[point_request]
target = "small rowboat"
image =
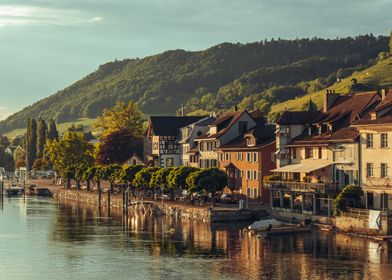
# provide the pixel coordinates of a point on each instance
(274, 227)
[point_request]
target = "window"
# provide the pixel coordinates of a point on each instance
(227, 156)
(254, 174)
(369, 140)
(350, 152)
(248, 157)
(384, 140)
(369, 169)
(320, 153)
(384, 170)
(239, 156)
(293, 153)
(169, 162)
(308, 152)
(248, 175)
(255, 157)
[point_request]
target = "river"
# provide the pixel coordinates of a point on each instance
(43, 239)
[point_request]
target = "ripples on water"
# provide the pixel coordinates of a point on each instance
(43, 239)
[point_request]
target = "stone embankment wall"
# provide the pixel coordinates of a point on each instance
(357, 221)
(203, 214)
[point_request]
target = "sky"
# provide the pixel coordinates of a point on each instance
(46, 45)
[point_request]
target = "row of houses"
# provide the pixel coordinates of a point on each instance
(298, 164)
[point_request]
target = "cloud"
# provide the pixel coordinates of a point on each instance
(31, 15)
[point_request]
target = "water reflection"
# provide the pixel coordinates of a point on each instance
(72, 240)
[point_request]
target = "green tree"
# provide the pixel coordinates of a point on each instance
(52, 133)
(112, 173)
(143, 177)
(177, 177)
(69, 152)
(31, 143)
(41, 137)
(210, 180)
(350, 195)
(120, 117)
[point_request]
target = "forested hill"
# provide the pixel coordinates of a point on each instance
(252, 75)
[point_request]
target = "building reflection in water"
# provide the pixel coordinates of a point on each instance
(317, 255)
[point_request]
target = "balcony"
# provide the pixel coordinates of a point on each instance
(300, 187)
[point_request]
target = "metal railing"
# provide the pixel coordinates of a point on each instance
(300, 186)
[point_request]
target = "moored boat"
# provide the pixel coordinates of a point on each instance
(13, 191)
(274, 227)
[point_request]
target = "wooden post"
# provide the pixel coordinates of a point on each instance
(109, 203)
(99, 196)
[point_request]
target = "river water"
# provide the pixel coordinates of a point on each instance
(43, 239)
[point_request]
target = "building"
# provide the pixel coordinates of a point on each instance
(188, 135)
(247, 159)
(318, 153)
(161, 147)
(376, 155)
(226, 128)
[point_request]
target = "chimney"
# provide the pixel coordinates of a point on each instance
(329, 98)
(383, 94)
(235, 108)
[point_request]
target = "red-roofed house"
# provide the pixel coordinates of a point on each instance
(317, 153)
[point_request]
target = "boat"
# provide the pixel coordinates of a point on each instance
(13, 191)
(269, 227)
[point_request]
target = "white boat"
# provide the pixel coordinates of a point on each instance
(274, 227)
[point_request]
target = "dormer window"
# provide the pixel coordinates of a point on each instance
(329, 128)
(373, 115)
(250, 141)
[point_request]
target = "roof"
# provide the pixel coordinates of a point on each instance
(302, 167)
(351, 107)
(223, 123)
(347, 134)
(299, 117)
(264, 135)
(170, 125)
(386, 119)
(386, 102)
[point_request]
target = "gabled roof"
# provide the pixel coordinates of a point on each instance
(299, 117)
(223, 124)
(170, 125)
(347, 134)
(264, 135)
(386, 102)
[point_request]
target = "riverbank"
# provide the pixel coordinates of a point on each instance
(207, 214)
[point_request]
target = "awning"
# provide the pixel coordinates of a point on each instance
(301, 167)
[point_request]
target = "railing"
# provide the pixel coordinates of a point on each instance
(300, 186)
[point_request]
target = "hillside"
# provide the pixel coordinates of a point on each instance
(374, 77)
(209, 80)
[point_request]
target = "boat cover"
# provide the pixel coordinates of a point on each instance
(263, 224)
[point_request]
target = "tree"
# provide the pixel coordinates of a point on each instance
(159, 178)
(40, 164)
(111, 173)
(31, 143)
(70, 151)
(349, 195)
(129, 172)
(143, 177)
(210, 180)
(118, 146)
(20, 163)
(52, 133)
(41, 137)
(177, 177)
(120, 117)
(4, 141)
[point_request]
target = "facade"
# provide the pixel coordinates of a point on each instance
(223, 130)
(188, 135)
(247, 159)
(318, 153)
(161, 143)
(376, 155)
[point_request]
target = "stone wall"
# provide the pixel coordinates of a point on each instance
(203, 214)
(357, 221)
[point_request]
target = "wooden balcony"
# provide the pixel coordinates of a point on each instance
(324, 188)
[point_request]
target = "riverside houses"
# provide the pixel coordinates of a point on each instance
(376, 155)
(226, 128)
(187, 141)
(161, 147)
(317, 153)
(247, 159)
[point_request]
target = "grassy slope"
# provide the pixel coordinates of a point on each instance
(379, 74)
(87, 123)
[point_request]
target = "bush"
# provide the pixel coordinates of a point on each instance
(349, 195)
